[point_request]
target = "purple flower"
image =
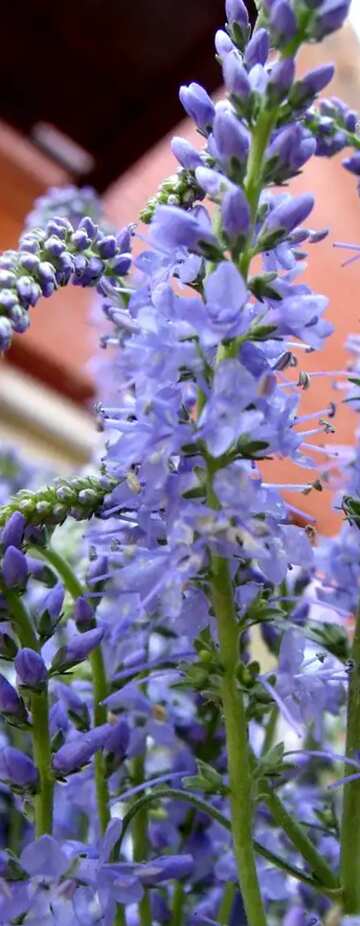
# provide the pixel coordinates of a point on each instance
(236, 12)
(328, 16)
(280, 79)
(83, 614)
(283, 23)
(10, 704)
(49, 610)
(198, 105)
(30, 669)
(117, 741)
(353, 164)
(13, 532)
(173, 228)
(78, 649)
(231, 138)
(17, 769)
(235, 214)
(170, 867)
(306, 89)
(44, 857)
(77, 752)
(223, 43)
(290, 213)
(257, 50)
(185, 153)
(14, 568)
(235, 76)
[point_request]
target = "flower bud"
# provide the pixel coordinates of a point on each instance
(258, 49)
(353, 164)
(185, 153)
(235, 214)
(235, 76)
(30, 669)
(14, 568)
(305, 90)
(76, 709)
(283, 23)
(77, 650)
(13, 532)
(198, 105)
(10, 704)
(329, 17)
(290, 213)
(236, 12)
(118, 739)
(223, 43)
(231, 138)
(77, 752)
(49, 612)
(17, 769)
(280, 80)
(83, 614)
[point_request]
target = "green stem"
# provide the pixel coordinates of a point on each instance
(350, 826)
(298, 836)
(100, 688)
(42, 757)
(40, 720)
(140, 841)
(20, 619)
(179, 897)
(120, 916)
(227, 904)
(205, 807)
(254, 177)
(270, 730)
(240, 782)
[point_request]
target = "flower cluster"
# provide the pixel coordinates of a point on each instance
(155, 768)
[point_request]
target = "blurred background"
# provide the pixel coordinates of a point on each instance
(90, 96)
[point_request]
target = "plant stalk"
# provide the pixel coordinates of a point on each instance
(350, 825)
(140, 842)
(100, 688)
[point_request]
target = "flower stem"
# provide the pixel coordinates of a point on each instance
(241, 799)
(40, 719)
(100, 688)
(254, 177)
(42, 757)
(350, 826)
(227, 904)
(298, 836)
(179, 896)
(140, 842)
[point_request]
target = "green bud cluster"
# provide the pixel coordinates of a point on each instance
(181, 189)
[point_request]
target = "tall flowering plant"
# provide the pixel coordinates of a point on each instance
(154, 769)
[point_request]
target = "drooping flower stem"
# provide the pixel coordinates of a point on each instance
(298, 836)
(350, 826)
(39, 703)
(100, 688)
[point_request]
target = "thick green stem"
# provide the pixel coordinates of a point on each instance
(140, 842)
(350, 827)
(100, 688)
(253, 183)
(241, 798)
(42, 757)
(296, 833)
